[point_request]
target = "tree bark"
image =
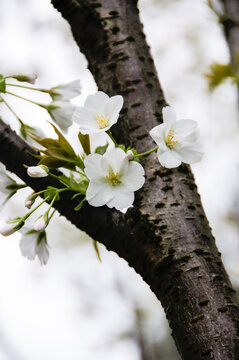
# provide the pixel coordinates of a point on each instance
(165, 236)
(231, 27)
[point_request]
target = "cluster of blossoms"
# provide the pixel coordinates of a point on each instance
(108, 176)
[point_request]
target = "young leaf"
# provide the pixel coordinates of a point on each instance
(85, 142)
(79, 206)
(101, 149)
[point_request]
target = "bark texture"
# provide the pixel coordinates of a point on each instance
(231, 26)
(165, 237)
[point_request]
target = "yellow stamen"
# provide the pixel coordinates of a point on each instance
(102, 121)
(170, 140)
(112, 178)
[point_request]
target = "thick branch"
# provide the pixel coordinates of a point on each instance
(231, 27)
(165, 236)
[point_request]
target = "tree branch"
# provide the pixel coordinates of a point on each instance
(231, 27)
(165, 237)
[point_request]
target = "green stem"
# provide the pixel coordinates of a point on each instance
(31, 101)
(29, 87)
(11, 109)
(53, 212)
(111, 136)
(147, 152)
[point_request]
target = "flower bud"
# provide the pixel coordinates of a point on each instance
(11, 227)
(37, 171)
(40, 224)
(31, 78)
(130, 155)
(30, 200)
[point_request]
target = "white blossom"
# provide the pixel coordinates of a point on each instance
(99, 113)
(66, 91)
(113, 179)
(33, 243)
(37, 171)
(61, 112)
(177, 140)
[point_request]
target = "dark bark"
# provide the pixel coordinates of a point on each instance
(165, 237)
(231, 26)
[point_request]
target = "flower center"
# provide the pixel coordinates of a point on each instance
(171, 140)
(113, 179)
(102, 121)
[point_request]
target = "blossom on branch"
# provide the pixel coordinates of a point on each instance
(61, 112)
(177, 140)
(66, 91)
(37, 171)
(113, 179)
(33, 243)
(99, 113)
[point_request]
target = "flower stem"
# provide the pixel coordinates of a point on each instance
(147, 152)
(111, 136)
(11, 109)
(23, 98)
(29, 87)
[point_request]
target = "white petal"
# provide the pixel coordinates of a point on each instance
(96, 101)
(28, 245)
(122, 199)
(133, 179)
(99, 194)
(93, 165)
(117, 159)
(158, 134)
(168, 159)
(169, 115)
(66, 91)
(190, 154)
(112, 108)
(185, 127)
(42, 252)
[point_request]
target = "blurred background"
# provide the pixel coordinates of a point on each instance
(76, 307)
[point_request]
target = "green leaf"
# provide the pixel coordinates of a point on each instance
(63, 143)
(219, 73)
(85, 142)
(79, 206)
(53, 163)
(101, 149)
(2, 84)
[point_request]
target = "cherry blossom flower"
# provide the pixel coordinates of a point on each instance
(61, 112)
(33, 243)
(113, 179)
(177, 140)
(37, 171)
(66, 91)
(99, 113)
